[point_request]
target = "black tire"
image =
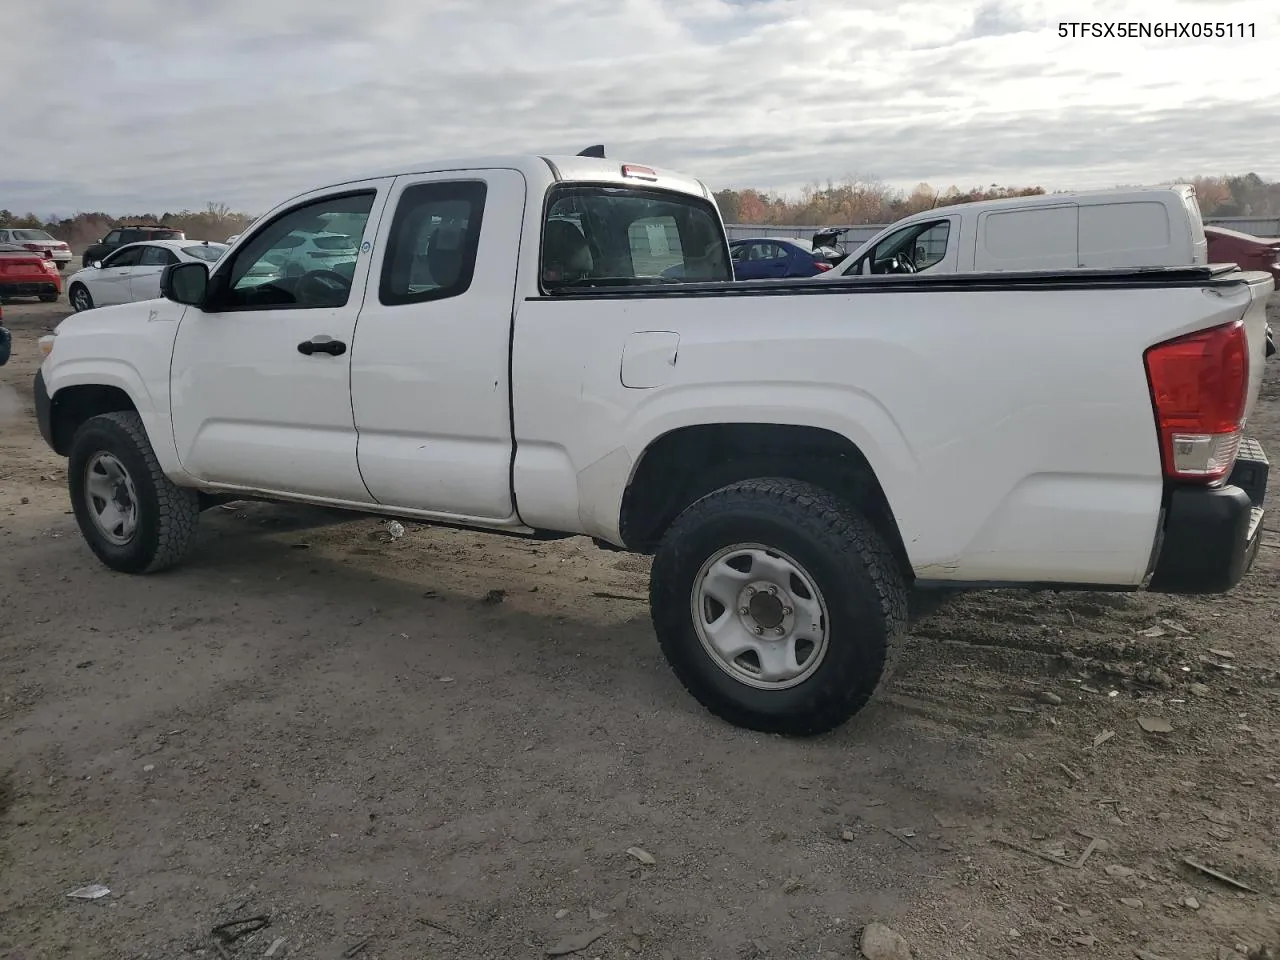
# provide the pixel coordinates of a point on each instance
(48, 298)
(851, 565)
(80, 297)
(166, 514)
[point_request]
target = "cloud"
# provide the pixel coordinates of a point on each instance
(163, 104)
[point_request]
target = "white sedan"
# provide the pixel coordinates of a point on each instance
(133, 272)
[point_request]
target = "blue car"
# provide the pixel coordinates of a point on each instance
(762, 258)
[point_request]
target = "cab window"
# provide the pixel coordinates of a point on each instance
(283, 267)
(156, 257)
(912, 249)
(126, 257)
(602, 236)
(434, 239)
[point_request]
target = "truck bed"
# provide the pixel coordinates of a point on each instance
(1012, 428)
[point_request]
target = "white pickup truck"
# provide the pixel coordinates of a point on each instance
(502, 351)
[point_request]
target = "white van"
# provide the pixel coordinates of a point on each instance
(1129, 227)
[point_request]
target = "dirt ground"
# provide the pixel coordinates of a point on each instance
(442, 746)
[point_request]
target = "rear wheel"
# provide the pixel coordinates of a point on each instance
(48, 297)
(134, 518)
(775, 602)
(80, 297)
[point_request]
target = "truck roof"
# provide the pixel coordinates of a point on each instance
(537, 167)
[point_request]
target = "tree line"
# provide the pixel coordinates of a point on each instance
(216, 222)
(856, 201)
(852, 201)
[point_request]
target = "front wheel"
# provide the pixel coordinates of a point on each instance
(134, 518)
(80, 298)
(775, 603)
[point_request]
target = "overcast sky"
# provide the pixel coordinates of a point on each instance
(148, 105)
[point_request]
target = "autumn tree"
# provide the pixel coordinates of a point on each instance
(858, 200)
(852, 201)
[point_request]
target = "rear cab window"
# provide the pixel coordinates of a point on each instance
(598, 235)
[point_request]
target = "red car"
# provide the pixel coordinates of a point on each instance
(1246, 250)
(27, 274)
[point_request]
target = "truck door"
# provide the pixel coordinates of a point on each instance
(430, 382)
(144, 279)
(261, 377)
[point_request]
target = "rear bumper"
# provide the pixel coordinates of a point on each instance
(28, 288)
(44, 409)
(1211, 535)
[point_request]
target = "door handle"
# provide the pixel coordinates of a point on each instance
(322, 343)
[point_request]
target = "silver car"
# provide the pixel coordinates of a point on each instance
(33, 238)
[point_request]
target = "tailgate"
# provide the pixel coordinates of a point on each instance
(1255, 324)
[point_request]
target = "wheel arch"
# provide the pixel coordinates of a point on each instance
(79, 390)
(72, 406)
(686, 463)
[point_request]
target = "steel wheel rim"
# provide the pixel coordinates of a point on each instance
(80, 299)
(112, 498)
(760, 616)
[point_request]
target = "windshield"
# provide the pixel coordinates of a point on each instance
(31, 235)
(616, 236)
(203, 251)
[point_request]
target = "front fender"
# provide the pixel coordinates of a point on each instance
(126, 348)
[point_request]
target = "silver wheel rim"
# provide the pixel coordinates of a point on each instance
(760, 616)
(80, 299)
(111, 497)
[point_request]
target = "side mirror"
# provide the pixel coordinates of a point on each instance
(97, 264)
(185, 283)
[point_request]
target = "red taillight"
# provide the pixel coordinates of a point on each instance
(1198, 386)
(822, 265)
